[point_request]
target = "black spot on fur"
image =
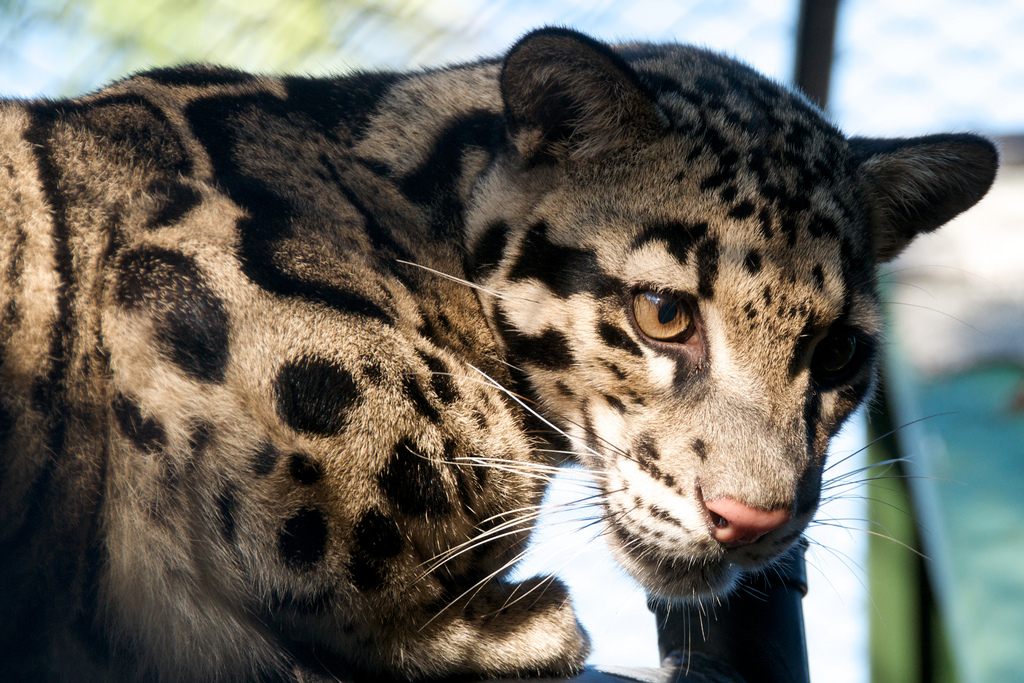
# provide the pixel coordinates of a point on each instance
(819, 277)
(377, 535)
(551, 350)
(646, 450)
(176, 199)
(333, 103)
(305, 470)
(227, 503)
(749, 309)
(615, 403)
(707, 268)
(264, 459)
(303, 539)
(752, 262)
(313, 395)
(616, 370)
(789, 228)
(615, 336)
(700, 448)
(764, 221)
(440, 379)
(191, 321)
(678, 238)
(564, 270)
(812, 419)
(367, 574)
(820, 226)
(802, 347)
(419, 400)
(413, 483)
(435, 182)
(744, 209)
(145, 433)
(489, 248)
(225, 125)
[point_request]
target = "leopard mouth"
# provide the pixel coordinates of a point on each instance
(703, 571)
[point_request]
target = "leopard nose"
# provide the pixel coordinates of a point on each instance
(734, 523)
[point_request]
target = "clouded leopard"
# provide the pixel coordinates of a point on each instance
(285, 363)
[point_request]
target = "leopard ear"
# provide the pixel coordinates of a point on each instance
(915, 185)
(568, 96)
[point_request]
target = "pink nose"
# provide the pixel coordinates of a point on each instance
(734, 523)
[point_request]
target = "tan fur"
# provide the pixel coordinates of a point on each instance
(286, 363)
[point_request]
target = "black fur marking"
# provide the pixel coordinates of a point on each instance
(616, 370)
(820, 226)
(563, 270)
(707, 268)
(646, 451)
(367, 573)
(435, 183)
(304, 470)
(337, 104)
(679, 239)
(615, 403)
(413, 483)
(701, 449)
(789, 227)
(752, 262)
(221, 124)
(764, 221)
(440, 379)
(176, 200)
(615, 336)
(303, 539)
(314, 394)
(550, 350)
(489, 249)
(146, 433)
(227, 504)
(419, 400)
(378, 535)
(819, 277)
(801, 348)
(265, 459)
(46, 395)
(198, 75)
(812, 418)
(749, 309)
(744, 209)
(191, 321)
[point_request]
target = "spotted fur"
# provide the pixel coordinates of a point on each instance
(284, 360)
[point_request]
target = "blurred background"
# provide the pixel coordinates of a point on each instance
(897, 68)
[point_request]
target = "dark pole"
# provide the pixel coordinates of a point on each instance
(755, 635)
(815, 35)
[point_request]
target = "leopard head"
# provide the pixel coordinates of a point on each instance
(679, 257)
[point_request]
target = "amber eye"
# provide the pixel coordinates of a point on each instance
(663, 317)
(835, 356)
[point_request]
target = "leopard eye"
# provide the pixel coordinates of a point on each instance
(836, 356)
(663, 317)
